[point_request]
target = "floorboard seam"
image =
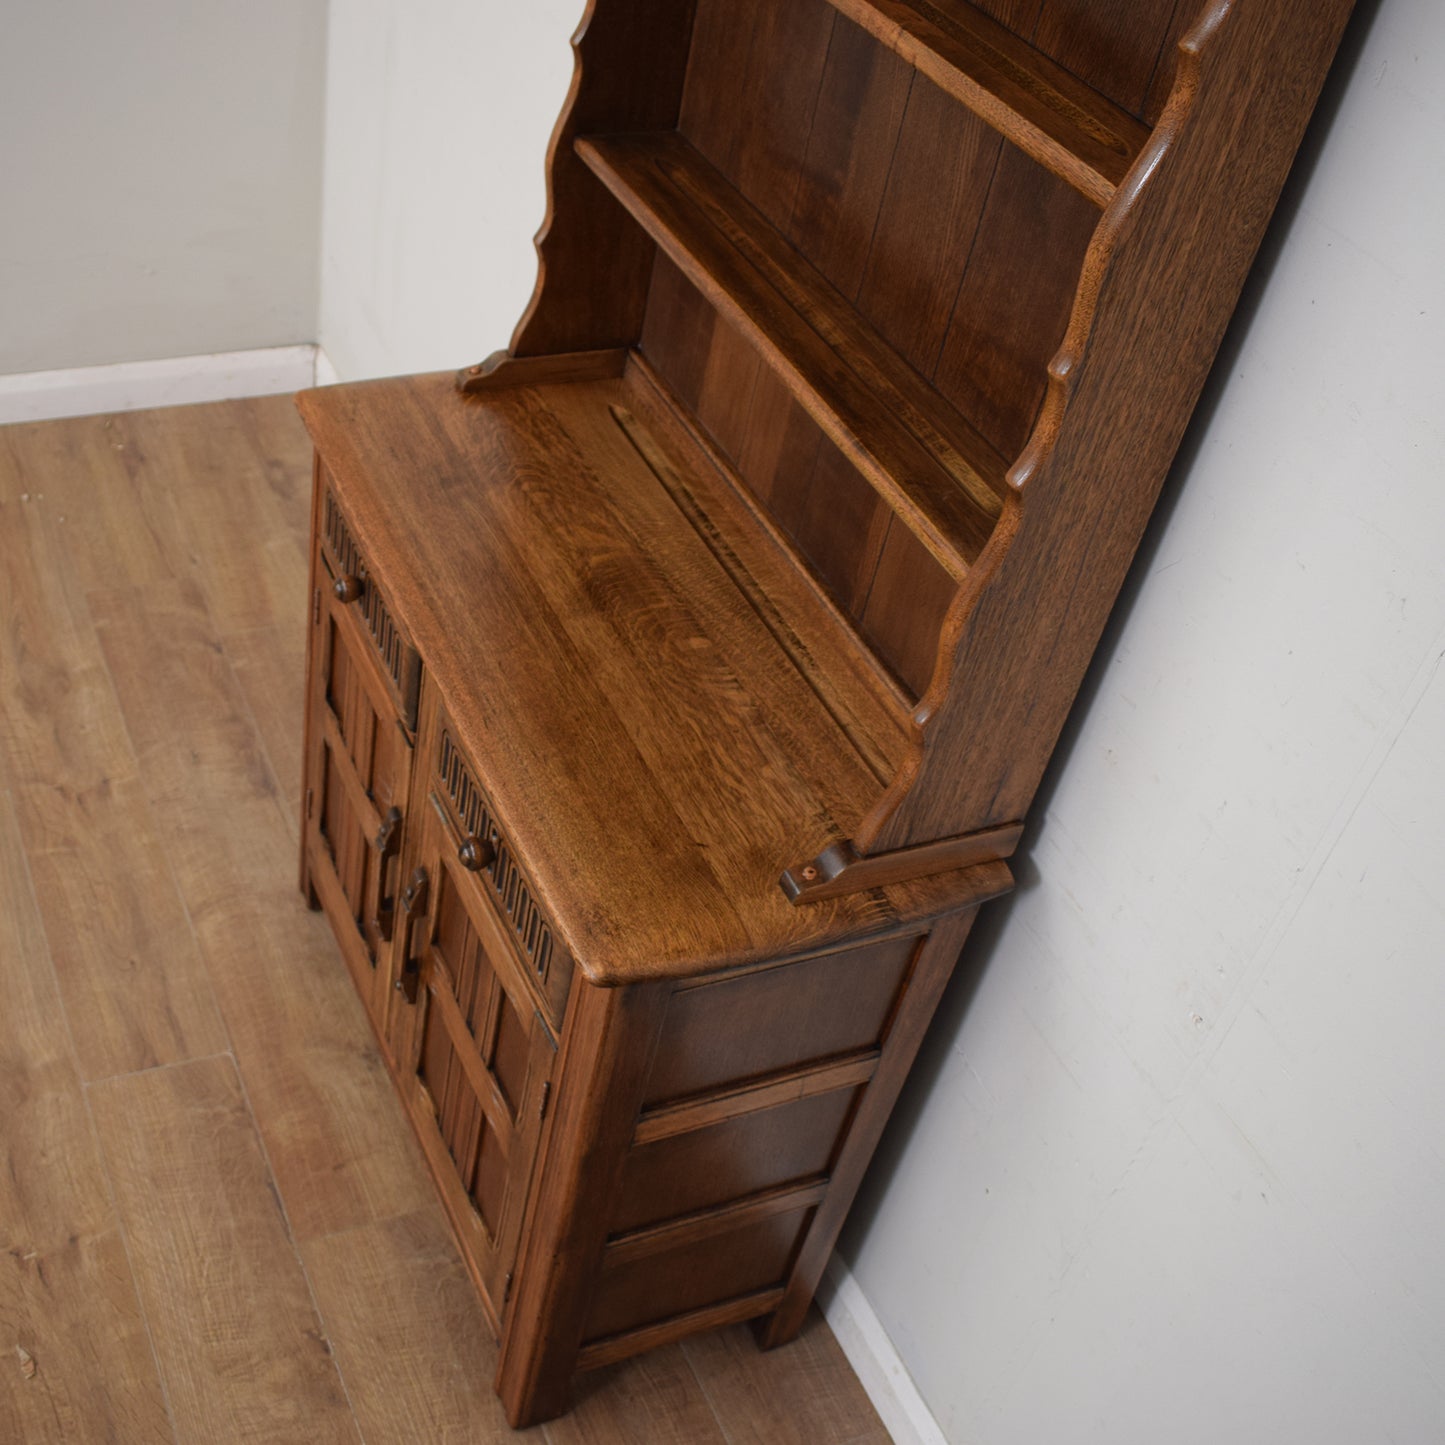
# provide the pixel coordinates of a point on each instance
(102, 1161)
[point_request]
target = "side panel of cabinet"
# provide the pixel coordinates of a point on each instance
(709, 1139)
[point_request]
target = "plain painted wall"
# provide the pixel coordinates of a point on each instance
(1171, 1168)
(437, 119)
(160, 170)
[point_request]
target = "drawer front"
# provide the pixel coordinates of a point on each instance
(501, 879)
(356, 587)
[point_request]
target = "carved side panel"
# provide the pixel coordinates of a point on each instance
(1158, 288)
(594, 263)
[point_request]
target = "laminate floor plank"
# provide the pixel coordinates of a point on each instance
(333, 1127)
(198, 1244)
(746, 1387)
(80, 476)
(230, 485)
(240, 1346)
(655, 1397)
(269, 665)
(75, 1356)
(410, 1338)
(131, 980)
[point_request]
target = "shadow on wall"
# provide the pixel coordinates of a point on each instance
(953, 1011)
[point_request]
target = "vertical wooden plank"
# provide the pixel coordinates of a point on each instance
(728, 385)
(1015, 299)
(757, 145)
(677, 334)
(780, 451)
(240, 1347)
(840, 528)
(927, 221)
(410, 1338)
(67, 1296)
(906, 605)
(1185, 14)
(851, 144)
(1113, 45)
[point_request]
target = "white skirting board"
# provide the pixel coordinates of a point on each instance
(175, 381)
(326, 374)
(880, 1371)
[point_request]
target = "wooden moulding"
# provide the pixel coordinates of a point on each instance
(1049, 114)
(840, 869)
(502, 370)
(730, 1312)
(734, 1100)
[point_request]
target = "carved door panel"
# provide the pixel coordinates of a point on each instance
(358, 778)
(481, 1053)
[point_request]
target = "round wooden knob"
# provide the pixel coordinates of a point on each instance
(475, 854)
(347, 588)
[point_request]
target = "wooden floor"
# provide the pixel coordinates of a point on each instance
(214, 1223)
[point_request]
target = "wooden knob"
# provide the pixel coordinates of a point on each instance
(347, 588)
(475, 854)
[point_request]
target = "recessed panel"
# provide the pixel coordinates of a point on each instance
(777, 1018)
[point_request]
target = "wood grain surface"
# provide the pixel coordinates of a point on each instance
(235, 1329)
(615, 635)
(255, 1253)
(67, 1296)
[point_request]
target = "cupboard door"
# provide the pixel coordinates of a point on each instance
(358, 776)
(481, 1060)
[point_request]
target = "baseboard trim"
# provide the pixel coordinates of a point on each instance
(326, 373)
(174, 381)
(880, 1371)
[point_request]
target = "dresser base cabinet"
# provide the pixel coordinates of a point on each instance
(680, 678)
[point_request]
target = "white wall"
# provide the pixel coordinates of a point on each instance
(437, 119)
(160, 167)
(1173, 1170)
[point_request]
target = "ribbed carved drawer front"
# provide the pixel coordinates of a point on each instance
(502, 878)
(356, 585)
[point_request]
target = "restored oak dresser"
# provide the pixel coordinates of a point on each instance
(679, 679)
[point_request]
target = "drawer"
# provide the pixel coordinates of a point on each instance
(353, 583)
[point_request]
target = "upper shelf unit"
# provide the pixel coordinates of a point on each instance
(939, 474)
(1048, 113)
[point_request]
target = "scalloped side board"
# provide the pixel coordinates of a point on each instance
(1163, 276)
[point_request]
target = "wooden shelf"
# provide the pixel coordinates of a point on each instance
(1045, 111)
(942, 478)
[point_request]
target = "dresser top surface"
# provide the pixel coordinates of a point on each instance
(665, 714)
